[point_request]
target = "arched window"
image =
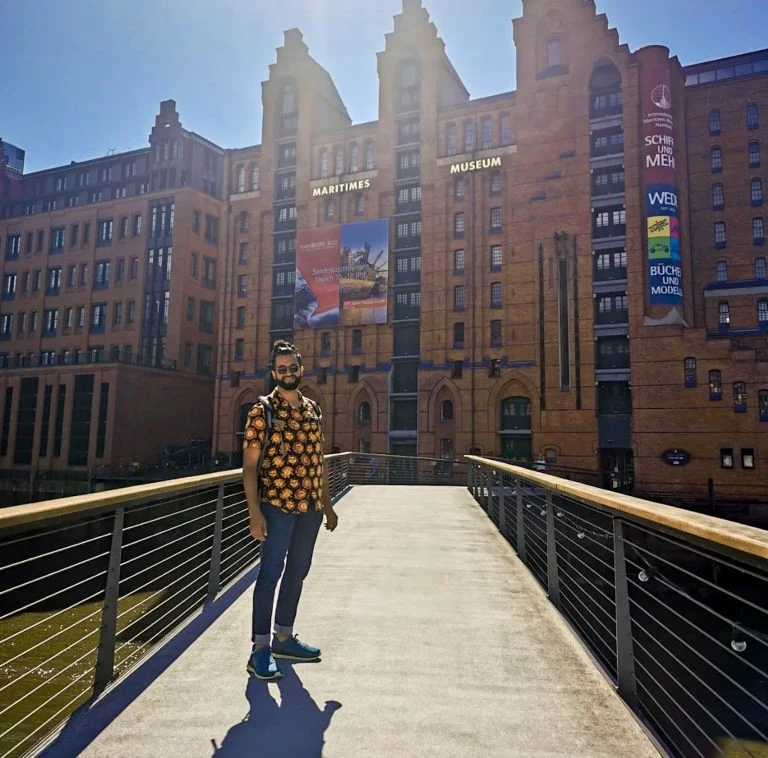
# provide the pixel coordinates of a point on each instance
(721, 271)
(758, 231)
(720, 235)
(740, 397)
(450, 139)
(469, 136)
(254, 177)
(323, 163)
(756, 191)
(338, 161)
(244, 222)
(760, 268)
(505, 129)
(714, 122)
(762, 402)
(515, 413)
(330, 209)
(289, 99)
(715, 384)
(689, 371)
(446, 410)
(241, 178)
(364, 412)
(554, 53)
(368, 157)
(762, 314)
(718, 197)
(486, 133)
(354, 158)
(606, 97)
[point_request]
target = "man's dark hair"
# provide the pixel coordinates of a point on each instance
(283, 347)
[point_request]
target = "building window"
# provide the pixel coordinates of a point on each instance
(9, 286)
(715, 385)
(689, 371)
(753, 118)
(495, 294)
(726, 457)
(105, 232)
(758, 231)
(242, 257)
(740, 397)
(354, 158)
(554, 53)
(721, 274)
(83, 274)
(756, 192)
(486, 133)
(720, 238)
(101, 278)
(368, 155)
(495, 220)
(239, 319)
(714, 122)
(458, 369)
(458, 224)
(209, 273)
(354, 374)
(446, 410)
(330, 211)
(754, 155)
(338, 161)
(450, 139)
(496, 258)
(134, 270)
(458, 188)
(505, 129)
(762, 401)
(760, 268)
(762, 313)
(495, 183)
(747, 458)
(359, 205)
(117, 313)
(716, 159)
(239, 349)
(469, 136)
(458, 335)
(458, 261)
(325, 343)
(718, 197)
(130, 312)
(242, 285)
(12, 247)
(724, 314)
(458, 298)
(496, 333)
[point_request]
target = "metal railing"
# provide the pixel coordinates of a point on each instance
(673, 605)
(90, 584)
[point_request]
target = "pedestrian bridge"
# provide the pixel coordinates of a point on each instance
(517, 615)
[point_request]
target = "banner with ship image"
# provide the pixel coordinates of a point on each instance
(342, 273)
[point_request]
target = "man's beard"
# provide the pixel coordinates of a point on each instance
(288, 383)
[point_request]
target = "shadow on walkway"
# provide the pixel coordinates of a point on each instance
(295, 727)
(85, 724)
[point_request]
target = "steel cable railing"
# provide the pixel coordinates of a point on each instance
(673, 605)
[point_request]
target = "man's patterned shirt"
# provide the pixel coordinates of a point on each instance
(291, 473)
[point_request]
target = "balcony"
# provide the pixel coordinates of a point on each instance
(407, 277)
(408, 243)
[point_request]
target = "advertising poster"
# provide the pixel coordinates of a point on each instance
(661, 197)
(317, 278)
(342, 273)
(364, 272)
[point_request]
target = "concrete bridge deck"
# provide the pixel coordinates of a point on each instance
(436, 642)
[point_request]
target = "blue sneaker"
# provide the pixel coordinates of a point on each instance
(293, 650)
(262, 665)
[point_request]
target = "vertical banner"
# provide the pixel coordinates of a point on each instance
(364, 272)
(317, 278)
(665, 275)
(342, 270)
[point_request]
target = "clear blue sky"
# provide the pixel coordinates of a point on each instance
(83, 76)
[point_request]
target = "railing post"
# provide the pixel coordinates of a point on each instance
(215, 575)
(625, 654)
(105, 660)
(553, 581)
(502, 506)
(520, 519)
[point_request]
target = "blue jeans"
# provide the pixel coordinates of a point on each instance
(292, 536)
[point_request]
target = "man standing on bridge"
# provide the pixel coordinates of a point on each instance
(286, 485)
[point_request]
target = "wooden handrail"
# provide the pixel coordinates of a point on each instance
(741, 537)
(32, 513)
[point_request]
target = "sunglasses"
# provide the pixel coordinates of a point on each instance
(283, 370)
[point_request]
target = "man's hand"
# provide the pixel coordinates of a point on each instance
(331, 519)
(258, 526)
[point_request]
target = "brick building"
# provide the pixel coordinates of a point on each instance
(574, 269)
(559, 280)
(108, 320)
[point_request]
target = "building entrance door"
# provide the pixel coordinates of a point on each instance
(516, 448)
(617, 470)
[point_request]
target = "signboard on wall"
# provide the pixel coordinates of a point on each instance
(342, 275)
(665, 275)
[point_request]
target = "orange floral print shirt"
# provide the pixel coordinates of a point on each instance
(291, 473)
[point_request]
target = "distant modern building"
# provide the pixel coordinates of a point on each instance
(574, 269)
(109, 314)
